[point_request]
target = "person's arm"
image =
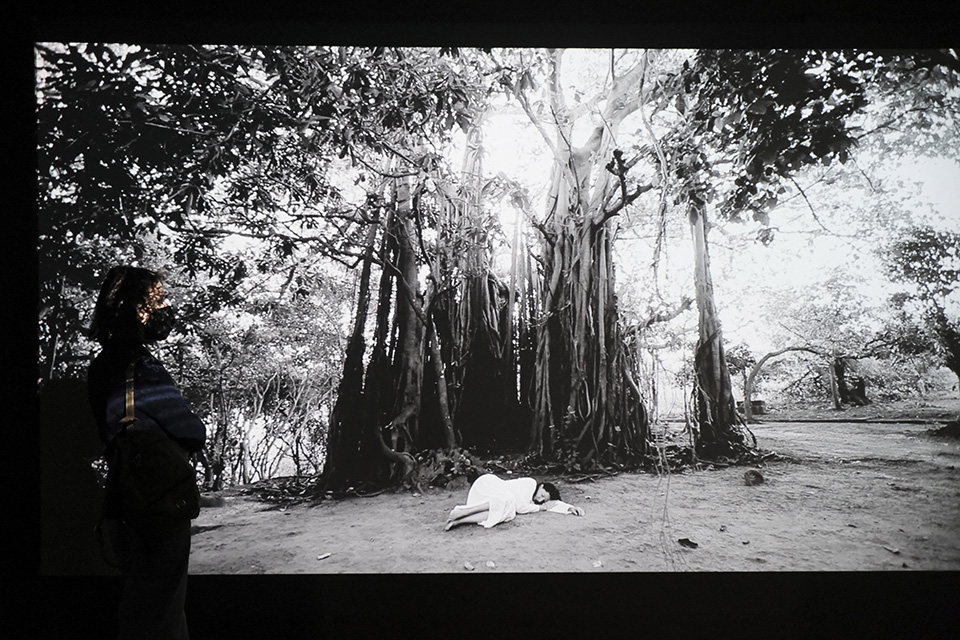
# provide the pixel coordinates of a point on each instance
(529, 507)
(558, 506)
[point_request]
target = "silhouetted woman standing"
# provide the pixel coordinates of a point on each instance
(132, 312)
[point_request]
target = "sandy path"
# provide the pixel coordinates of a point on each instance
(853, 497)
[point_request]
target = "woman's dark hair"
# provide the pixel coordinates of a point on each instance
(552, 491)
(125, 292)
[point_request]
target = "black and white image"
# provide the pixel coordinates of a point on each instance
(711, 296)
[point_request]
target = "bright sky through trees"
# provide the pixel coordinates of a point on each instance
(827, 233)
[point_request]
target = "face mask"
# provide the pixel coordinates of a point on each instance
(159, 325)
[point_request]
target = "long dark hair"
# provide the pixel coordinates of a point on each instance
(552, 490)
(125, 292)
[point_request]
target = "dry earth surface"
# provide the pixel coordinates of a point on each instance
(878, 491)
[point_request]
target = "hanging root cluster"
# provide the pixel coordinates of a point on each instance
(720, 434)
(283, 491)
(677, 452)
(451, 469)
(588, 413)
(672, 457)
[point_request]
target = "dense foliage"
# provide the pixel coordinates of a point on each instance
(928, 261)
(247, 174)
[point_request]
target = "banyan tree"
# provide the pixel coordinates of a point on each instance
(460, 357)
(586, 406)
(539, 361)
(392, 401)
(474, 316)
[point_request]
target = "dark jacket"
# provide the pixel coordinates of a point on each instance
(158, 402)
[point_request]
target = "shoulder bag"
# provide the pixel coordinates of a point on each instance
(155, 482)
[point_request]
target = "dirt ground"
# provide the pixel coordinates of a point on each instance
(846, 496)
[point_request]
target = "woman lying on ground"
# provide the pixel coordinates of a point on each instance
(492, 500)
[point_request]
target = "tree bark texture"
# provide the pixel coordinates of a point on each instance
(857, 395)
(586, 412)
(834, 387)
(374, 424)
(720, 430)
(345, 437)
(475, 322)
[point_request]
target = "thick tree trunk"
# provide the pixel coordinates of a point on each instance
(345, 436)
(379, 387)
(393, 385)
(383, 401)
(482, 363)
(586, 411)
(948, 334)
(834, 387)
(408, 361)
(747, 397)
(449, 437)
(720, 428)
(840, 373)
(856, 395)
(378, 421)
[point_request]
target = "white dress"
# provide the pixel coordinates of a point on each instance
(507, 498)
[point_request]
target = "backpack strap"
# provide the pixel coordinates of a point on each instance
(129, 416)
